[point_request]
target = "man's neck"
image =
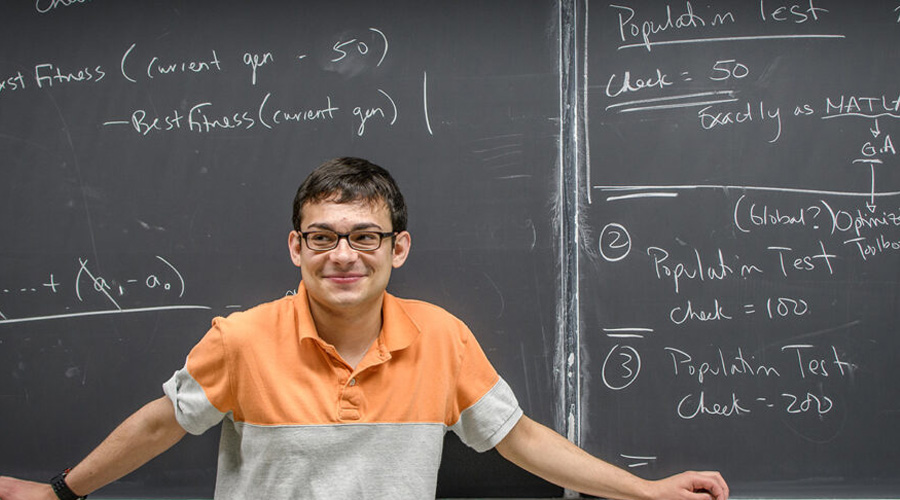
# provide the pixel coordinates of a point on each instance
(350, 332)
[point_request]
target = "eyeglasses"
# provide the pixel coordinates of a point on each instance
(363, 241)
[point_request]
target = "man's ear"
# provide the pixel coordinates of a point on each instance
(400, 251)
(294, 244)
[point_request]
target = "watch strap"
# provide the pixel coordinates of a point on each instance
(61, 488)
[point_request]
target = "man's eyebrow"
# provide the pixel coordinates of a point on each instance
(360, 226)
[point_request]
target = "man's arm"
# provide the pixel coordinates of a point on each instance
(148, 432)
(545, 453)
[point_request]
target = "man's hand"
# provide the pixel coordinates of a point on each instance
(545, 453)
(17, 489)
(691, 486)
(148, 432)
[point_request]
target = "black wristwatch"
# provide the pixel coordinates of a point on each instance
(62, 490)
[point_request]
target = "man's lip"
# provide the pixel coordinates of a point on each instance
(344, 277)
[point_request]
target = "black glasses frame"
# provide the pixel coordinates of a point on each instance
(305, 236)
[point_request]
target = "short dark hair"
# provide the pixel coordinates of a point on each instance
(346, 180)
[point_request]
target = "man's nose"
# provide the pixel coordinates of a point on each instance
(343, 253)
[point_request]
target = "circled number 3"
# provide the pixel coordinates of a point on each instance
(624, 370)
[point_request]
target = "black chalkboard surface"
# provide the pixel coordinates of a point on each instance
(674, 227)
(739, 272)
(150, 151)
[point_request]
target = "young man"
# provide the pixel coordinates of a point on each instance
(342, 390)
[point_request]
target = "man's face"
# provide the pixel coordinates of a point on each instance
(344, 280)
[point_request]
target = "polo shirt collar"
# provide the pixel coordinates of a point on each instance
(398, 330)
(305, 325)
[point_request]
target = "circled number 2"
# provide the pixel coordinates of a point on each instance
(615, 242)
(621, 371)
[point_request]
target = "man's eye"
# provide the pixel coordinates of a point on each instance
(365, 237)
(321, 237)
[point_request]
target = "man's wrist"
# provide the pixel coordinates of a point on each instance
(61, 487)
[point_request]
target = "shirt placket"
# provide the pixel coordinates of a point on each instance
(352, 388)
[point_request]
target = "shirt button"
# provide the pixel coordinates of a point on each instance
(349, 414)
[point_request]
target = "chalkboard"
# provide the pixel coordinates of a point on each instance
(672, 226)
(150, 151)
(738, 272)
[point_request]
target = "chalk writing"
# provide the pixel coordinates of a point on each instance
(615, 242)
(813, 363)
(204, 117)
(644, 28)
(101, 293)
(743, 215)
(711, 117)
(736, 364)
(45, 6)
(791, 261)
(693, 269)
(621, 368)
(367, 109)
(692, 406)
(48, 75)
(728, 69)
(270, 118)
(12, 83)
(614, 88)
(156, 67)
(689, 312)
(256, 61)
(862, 106)
(873, 247)
(792, 12)
(343, 48)
(631, 28)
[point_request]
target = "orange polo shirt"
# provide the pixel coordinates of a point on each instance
(301, 423)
